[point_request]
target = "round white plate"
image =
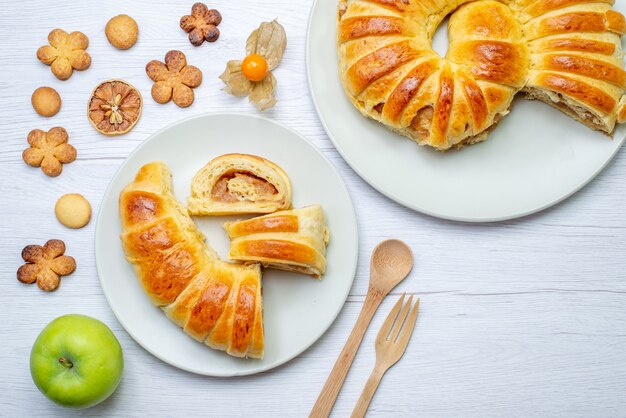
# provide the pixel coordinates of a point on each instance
(297, 309)
(535, 157)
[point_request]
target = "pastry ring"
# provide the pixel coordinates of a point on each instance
(564, 52)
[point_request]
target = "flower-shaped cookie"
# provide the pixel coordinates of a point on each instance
(253, 76)
(45, 265)
(49, 150)
(65, 53)
(174, 80)
(201, 24)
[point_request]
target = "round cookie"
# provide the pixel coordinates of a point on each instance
(46, 101)
(122, 31)
(73, 210)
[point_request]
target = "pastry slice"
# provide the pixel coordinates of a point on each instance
(293, 240)
(239, 183)
(216, 302)
(222, 307)
(577, 68)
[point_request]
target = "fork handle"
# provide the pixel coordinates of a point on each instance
(330, 391)
(368, 392)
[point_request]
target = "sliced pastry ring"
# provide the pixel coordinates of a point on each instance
(239, 183)
(292, 240)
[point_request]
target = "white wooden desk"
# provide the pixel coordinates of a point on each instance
(521, 318)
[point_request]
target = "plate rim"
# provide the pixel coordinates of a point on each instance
(254, 370)
(416, 207)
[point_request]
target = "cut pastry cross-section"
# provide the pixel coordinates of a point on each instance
(239, 183)
(216, 302)
(293, 240)
(576, 61)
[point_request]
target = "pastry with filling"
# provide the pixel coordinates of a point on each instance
(567, 53)
(239, 183)
(576, 59)
(391, 73)
(293, 240)
(216, 302)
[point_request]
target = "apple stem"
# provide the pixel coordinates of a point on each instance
(65, 362)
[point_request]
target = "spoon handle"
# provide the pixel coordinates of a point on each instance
(330, 391)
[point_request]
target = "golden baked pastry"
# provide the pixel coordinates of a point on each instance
(45, 265)
(49, 150)
(174, 79)
(122, 31)
(391, 73)
(216, 302)
(201, 24)
(293, 240)
(239, 183)
(576, 59)
(46, 101)
(66, 53)
(73, 210)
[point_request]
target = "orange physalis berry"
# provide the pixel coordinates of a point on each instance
(254, 67)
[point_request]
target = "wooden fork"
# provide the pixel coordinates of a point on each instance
(391, 343)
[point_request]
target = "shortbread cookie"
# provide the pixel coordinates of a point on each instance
(73, 210)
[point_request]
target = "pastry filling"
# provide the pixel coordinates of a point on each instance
(242, 186)
(294, 267)
(343, 7)
(422, 121)
(566, 106)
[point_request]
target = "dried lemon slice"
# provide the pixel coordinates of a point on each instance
(114, 107)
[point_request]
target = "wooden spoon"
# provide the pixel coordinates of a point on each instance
(391, 262)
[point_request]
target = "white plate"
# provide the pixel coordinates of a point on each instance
(535, 158)
(297, 309)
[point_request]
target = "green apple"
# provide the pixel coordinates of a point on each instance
(76, 361)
